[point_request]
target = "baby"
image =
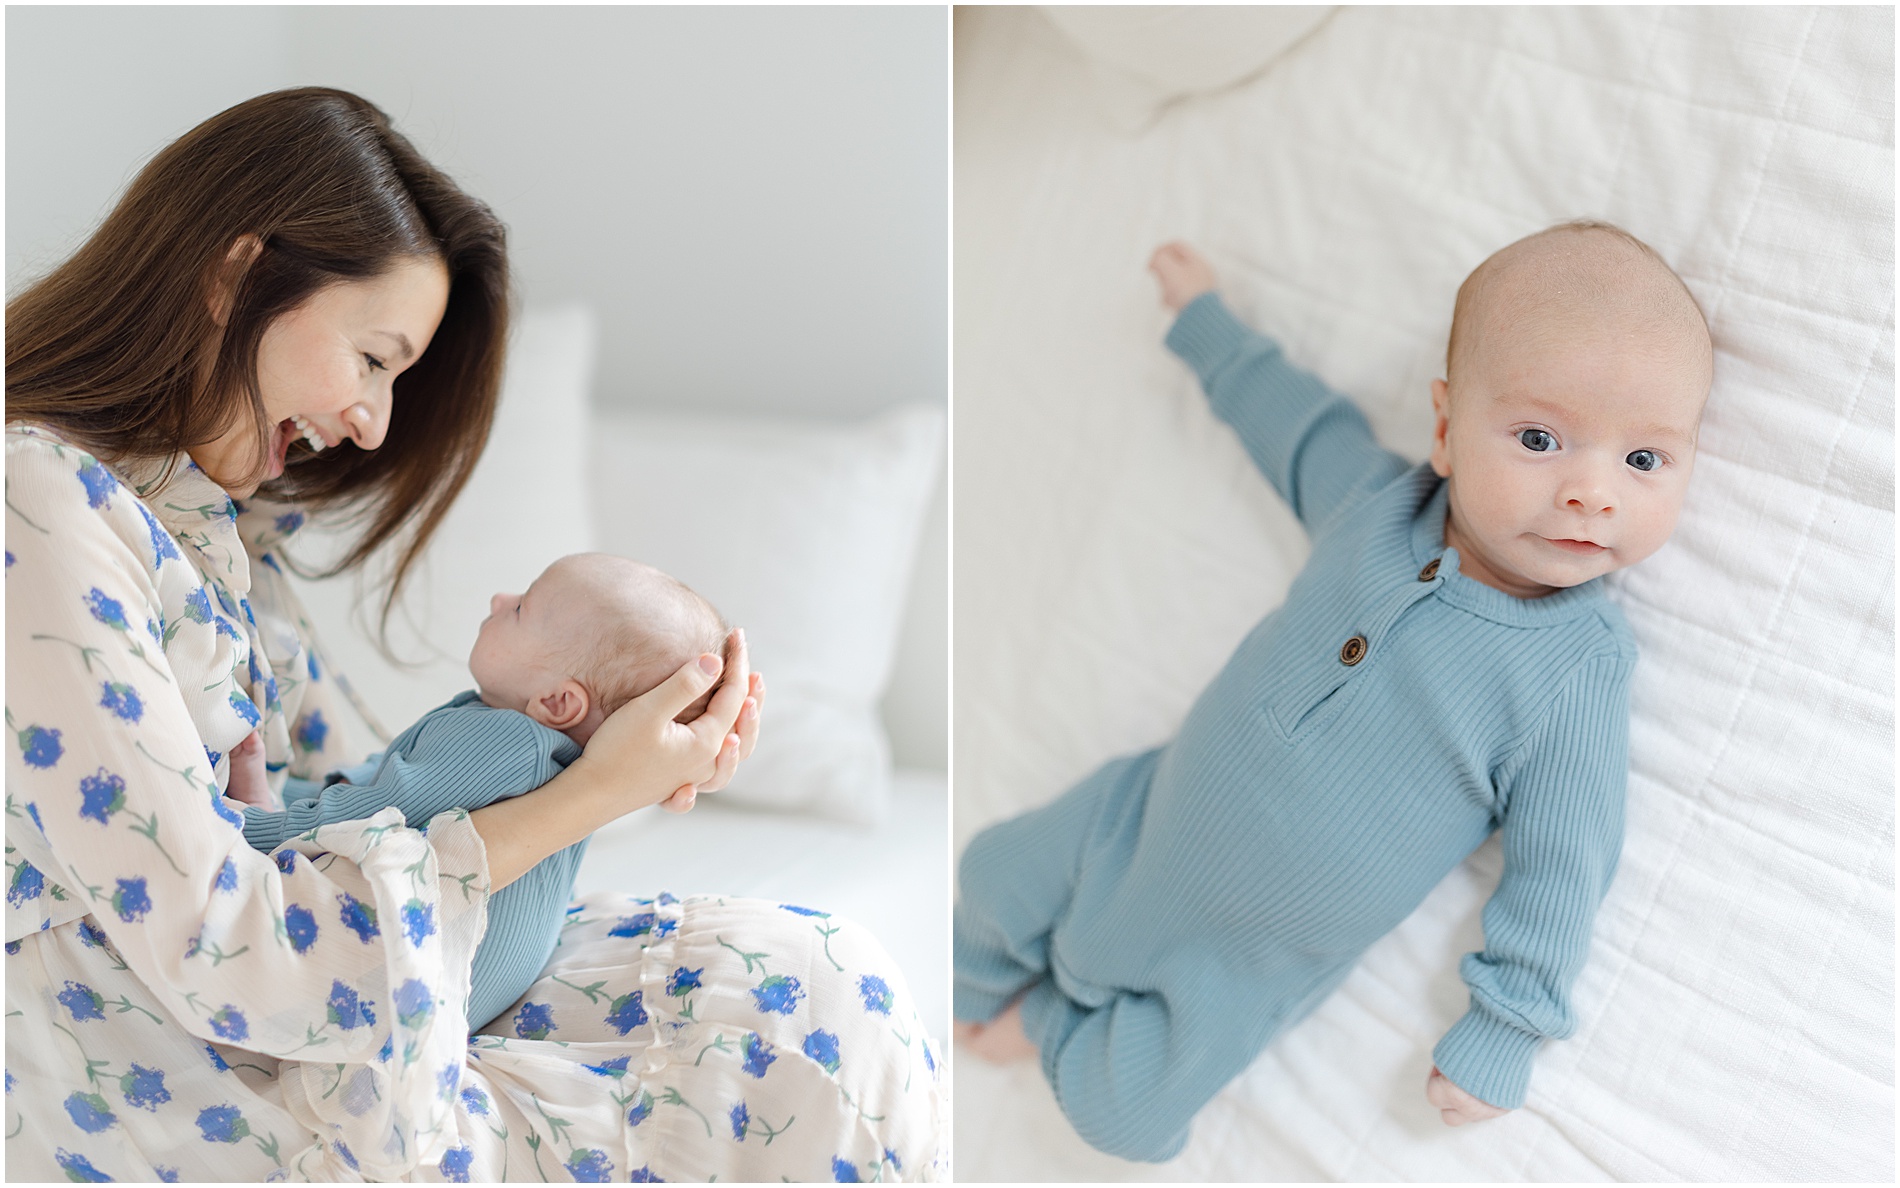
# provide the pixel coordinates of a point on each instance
(592, 633)
(1446, 664)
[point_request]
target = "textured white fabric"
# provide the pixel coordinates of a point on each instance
(1113, 543)
(805, 534)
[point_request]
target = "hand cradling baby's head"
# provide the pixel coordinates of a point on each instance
(1575, 379)
(593, 632)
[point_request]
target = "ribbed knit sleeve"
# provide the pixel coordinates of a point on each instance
(1562, 831)
(462, 759)
(1313, 444)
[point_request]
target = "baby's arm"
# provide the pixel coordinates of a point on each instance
(1183, 272)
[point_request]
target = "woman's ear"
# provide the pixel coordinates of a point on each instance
(1441, 414)
(244, 250)
(562, 707)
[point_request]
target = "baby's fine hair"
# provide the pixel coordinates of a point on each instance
(1472, 293)
(642, 640)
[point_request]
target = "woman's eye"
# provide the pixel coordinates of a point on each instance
(1644, 460)
(375, 364)
(1537, 440)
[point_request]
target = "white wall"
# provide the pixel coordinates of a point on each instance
(753, 199)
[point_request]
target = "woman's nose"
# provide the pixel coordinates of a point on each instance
(368, 421)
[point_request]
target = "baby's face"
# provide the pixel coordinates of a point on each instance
(523, 639)
(1568, 454)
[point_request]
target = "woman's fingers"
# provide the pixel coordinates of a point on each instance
(727, 763)
(750, 716)
(723, 710)
(681, 801)
(683, 688)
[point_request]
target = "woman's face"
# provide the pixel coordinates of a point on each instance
(326, 368)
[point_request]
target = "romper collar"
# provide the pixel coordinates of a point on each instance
(1428, 542)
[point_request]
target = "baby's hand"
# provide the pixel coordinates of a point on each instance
(1183, 272)
(249, 782)
(1456, 1106)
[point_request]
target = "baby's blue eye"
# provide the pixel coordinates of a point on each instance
(1644, 460)
(1536, 440)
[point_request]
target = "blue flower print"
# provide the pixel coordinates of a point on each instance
(27, 883)
(627, 1012)
(78, 1170)
(289, 522)
(198, 606)
(301, 924)
(91, 935)
(666, 897)
(41, 746)
(589, 1166)
(454, 1165)
(229, 1023)
(930, 1062)
(162, 546)
(388, 1049)
(312, 731)
(630, 926)
(101, 795)
(286, 861)
(415, 1002)
(640, 1175)
(475, 1101)
(891, 1158)
(876, 993)
(217, 1061)
(106, 610)
(346, 1010)
(348, 1156)
(89, 1112)
(10, 559)
(215, 757)
(617, 1067)
(13, 948)
(227, 876)
(418, 921)
(256, 674)
(447, 1080)
(223, 626)
(82, 1002)
(778, 992)
(33, 811)
(802, 911)
(242, 705)
(224, 600)
(155, 630)
(844, 1172)
(166, 1175)
(310, 665)
(663, 928)
(358, 917)
(741, 1118)
(822, 1046)
(98, 482)
(223, 1124)
(144, 1087)
(123, 700)
(683, 981)
(756, 1055)
(642, 1109)
(534, 1020)
(130, 900)
(229, 815)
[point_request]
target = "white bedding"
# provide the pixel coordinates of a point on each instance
(1113, 543)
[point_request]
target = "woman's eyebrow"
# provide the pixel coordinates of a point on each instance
(404, 348)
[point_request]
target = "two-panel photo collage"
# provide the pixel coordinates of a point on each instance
(923, 593)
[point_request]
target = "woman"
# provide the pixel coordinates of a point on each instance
(290, 301)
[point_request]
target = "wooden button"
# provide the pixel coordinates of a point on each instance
(1353, 651)
(1430, 571)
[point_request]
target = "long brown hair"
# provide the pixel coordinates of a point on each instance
(109, 348)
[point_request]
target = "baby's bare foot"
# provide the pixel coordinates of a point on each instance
(1183, 272)
(1001, 1040)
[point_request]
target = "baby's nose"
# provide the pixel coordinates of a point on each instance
(494, 603)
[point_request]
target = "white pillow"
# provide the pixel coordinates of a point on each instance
(525, 505)
(805, 534)
(1145, 56)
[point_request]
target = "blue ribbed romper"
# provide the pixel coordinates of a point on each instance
(1179, 908)
(462, 754)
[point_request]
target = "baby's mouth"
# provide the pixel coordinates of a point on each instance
(1583, 548)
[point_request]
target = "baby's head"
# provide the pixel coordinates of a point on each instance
(1567, 418)
(592, 633)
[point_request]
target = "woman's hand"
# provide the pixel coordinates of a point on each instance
(639, 756)
(738, 744)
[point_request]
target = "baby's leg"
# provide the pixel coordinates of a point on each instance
(1016, 880)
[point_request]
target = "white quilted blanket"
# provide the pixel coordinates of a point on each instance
(1113, 543)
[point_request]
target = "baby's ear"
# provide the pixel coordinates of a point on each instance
(563, 707)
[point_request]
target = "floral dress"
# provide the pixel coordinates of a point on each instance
(182, 1007)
